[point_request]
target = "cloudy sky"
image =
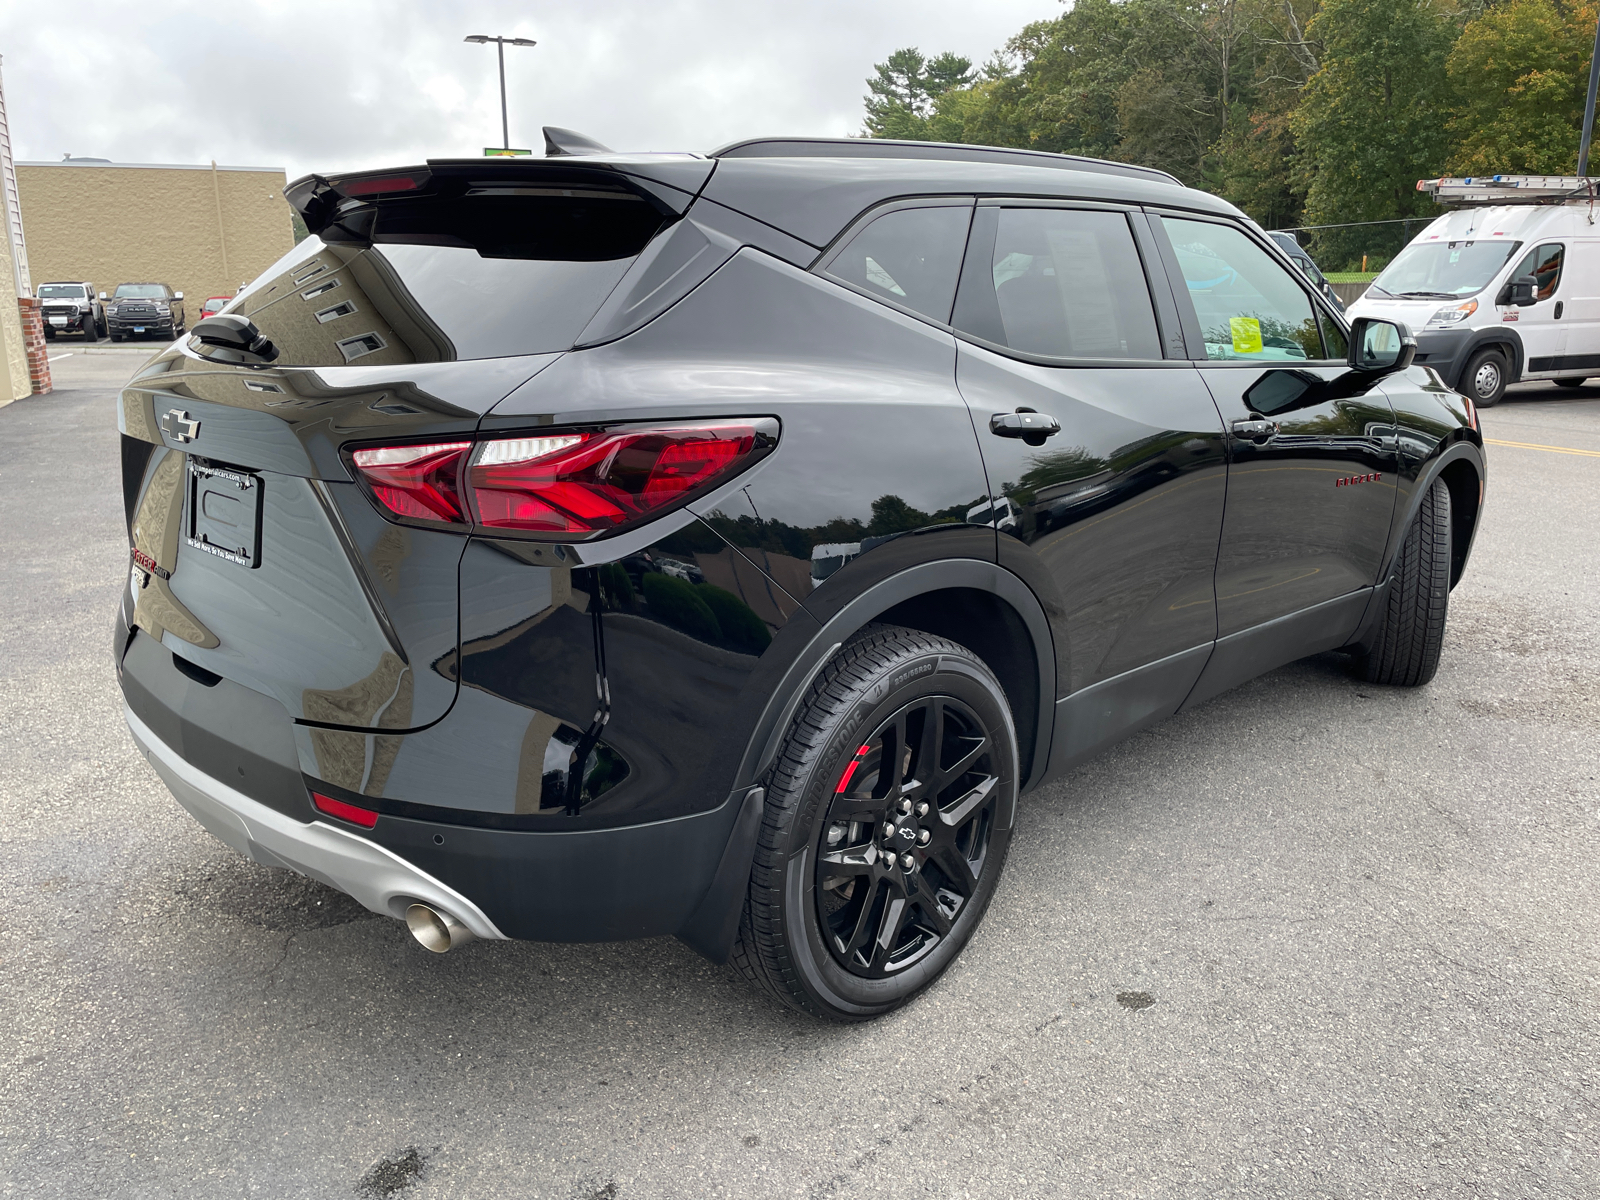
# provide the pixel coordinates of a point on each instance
(316, 85)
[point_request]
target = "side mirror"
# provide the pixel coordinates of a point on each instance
(177, 295)
(1380, 347)
(102, 296)
(1523, 291)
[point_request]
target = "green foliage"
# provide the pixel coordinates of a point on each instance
(1520, 72)
(1299, 111)
(1374, 119)
(905, 88)
(741, 628)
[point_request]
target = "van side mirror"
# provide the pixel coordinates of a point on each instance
(1522, 291)
(1379, 347)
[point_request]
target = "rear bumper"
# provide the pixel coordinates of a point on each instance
(549, 884)
(381, 880)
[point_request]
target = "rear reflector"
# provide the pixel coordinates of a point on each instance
(363, 817)
(565, 486)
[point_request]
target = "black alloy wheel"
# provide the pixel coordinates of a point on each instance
(905, 837)
(887, 821)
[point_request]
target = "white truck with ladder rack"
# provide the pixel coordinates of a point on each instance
(1503, 287)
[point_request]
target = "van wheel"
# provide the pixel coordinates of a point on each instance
(1485, 378)
(1572, 383)
(888, 818)
(1410, 633)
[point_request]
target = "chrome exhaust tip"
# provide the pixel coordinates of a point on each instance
(435, 930)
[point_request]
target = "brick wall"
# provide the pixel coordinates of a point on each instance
(33, 341)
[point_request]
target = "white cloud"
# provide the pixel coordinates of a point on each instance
(321, 86)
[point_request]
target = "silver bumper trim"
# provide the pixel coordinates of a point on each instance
(379, 879)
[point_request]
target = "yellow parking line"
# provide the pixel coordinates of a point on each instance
(1552, 449)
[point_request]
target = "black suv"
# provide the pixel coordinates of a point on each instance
(813, 502)
(70, 308)
(140, 309)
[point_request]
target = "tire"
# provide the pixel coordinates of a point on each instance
(116, 337)
(49, 334)
(821, 896)
(1484, 378)
(1410, 632)
(1572, 383)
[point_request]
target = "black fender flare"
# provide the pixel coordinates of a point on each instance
(1498, 335)
(712, 927)
(1461, 449)
(908, 584)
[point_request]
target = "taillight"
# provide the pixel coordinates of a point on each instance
(565, 486)
(422, 483)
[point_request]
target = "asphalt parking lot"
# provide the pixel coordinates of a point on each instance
(1365, 922)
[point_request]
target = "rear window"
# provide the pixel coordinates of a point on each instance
(485, 274)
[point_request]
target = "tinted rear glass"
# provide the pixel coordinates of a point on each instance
(487, 274)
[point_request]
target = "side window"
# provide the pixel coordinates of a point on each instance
(1544, 264)
(909, 257)
(1249, 306)
(1064, 283)
(1333, 337)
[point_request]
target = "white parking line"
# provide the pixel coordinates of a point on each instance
(58, 357)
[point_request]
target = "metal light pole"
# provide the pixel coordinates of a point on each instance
(500, 46)
(1588, 108)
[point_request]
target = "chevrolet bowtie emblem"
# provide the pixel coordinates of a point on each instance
(179, 425)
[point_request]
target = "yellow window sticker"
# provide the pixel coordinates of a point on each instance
(1246, 335)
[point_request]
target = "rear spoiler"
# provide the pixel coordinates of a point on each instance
(669, 182)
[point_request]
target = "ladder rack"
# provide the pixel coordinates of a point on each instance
(1509, 189)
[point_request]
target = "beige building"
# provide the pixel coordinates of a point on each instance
(201, 230)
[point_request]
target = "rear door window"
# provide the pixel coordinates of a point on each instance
(1248, 305)
(909, 257)
(1058, 283)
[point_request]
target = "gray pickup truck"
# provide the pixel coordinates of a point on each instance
(71, 308)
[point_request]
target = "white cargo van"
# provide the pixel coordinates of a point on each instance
(1504, 288)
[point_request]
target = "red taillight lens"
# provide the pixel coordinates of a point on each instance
(581, 484)
(356, 815)
(419, 482)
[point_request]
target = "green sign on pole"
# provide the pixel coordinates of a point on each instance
(499, 152)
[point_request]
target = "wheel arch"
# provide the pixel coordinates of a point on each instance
(1500, 338)
(1462, 469)
(975, 604)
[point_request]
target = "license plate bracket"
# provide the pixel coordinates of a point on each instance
(225, 507)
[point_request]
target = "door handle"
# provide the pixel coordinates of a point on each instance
(1254, 429)
(1026, 425)
(1560, 304)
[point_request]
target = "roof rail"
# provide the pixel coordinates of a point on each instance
(807, 147)
(1508, 189)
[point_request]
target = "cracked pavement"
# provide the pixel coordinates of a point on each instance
(1314, 939)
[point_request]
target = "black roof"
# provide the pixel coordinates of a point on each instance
(813, 197)
(802, 147)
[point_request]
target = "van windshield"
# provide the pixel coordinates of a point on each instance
(1444, 270)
